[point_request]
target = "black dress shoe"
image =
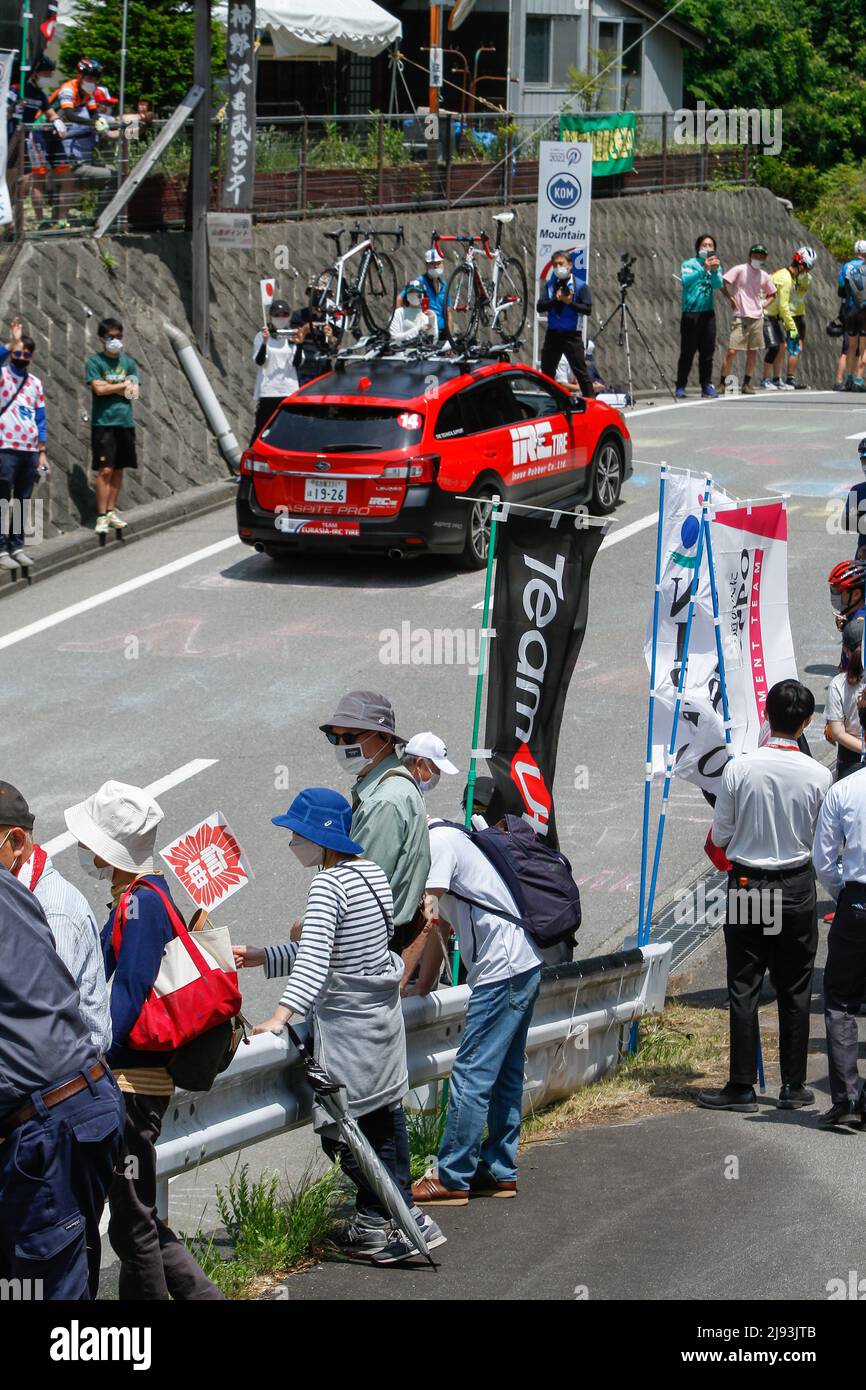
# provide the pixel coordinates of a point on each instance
(844, 1112)
(795, 1097)
(740, 1098)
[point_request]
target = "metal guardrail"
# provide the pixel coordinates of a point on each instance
(574, 1039)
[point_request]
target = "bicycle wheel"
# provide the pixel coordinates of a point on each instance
(510, 305)
(461, 308)
(378, 293)
(324, 297)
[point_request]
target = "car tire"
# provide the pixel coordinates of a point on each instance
(477, 536)
(608, 467)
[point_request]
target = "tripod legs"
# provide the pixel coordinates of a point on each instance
(626, 317)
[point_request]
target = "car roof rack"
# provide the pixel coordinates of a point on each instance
(379, 347)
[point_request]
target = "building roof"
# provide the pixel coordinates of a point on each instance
(684, 31)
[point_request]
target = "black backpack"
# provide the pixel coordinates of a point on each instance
(538, 878)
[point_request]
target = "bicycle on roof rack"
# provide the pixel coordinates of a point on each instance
(344, 295)
(475, 307)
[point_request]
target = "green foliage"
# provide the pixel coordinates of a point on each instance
(838, 217)
(424, 1129)
(159, 61)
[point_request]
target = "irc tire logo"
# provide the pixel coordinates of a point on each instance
(564, 192)
(529, 781)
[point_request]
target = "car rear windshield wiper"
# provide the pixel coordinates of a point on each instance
(349, 448)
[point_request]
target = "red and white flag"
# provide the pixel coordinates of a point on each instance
(268, 289)
(209, 862)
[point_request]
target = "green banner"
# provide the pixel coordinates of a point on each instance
(612, 135)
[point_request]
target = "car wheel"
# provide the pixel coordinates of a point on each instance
(477, 542)
(607, 471)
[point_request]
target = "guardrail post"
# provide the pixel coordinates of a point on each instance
(664, 149)
(380, 161)
(302, 176)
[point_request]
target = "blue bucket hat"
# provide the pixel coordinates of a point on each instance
(323, 816)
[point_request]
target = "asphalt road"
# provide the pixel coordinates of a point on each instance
(210, 669)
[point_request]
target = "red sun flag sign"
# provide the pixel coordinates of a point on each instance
(209, 862)
(268, 289)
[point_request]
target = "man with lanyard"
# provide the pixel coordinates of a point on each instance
(434, 287)
(76, 935)
(847, 582)
(764, 820)
(840, 862)
(22, 443)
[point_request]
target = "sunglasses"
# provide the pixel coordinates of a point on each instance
(347, 738)
(22, 356)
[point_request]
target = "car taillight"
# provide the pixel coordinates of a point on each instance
(254, 465)
(424, 469)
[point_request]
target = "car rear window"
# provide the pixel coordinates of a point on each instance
(318, 429)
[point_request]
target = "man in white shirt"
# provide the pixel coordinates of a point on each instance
(75, 933)
(765, 817)
(840, 862)
(504, 974)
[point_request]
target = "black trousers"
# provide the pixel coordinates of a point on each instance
(844, 991)
(776, 930)
(386, 1131)
(557, 345)
(154, 1264)
(697, 335)
(265, 408)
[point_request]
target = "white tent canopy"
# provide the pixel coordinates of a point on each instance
(297, 28)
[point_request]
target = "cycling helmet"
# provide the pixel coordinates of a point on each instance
(847, 575)
(805, 257)
(758, 250)
(89, 67)
(860, 248)
(861, 447)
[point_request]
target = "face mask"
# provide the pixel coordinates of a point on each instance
(561, 272)
(281, 325)
(114, 345)
(837, 602)
(756, 264)
(351, 757)
(434, 271)
(306, 853)
(426, 784)
(89, 87)
(19, 368)
(414, 301)
(12, 868)
(86, 860)
(44, 84)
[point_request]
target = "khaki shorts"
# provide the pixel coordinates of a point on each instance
(747, 335)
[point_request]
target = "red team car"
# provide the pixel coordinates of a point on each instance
(380, 456)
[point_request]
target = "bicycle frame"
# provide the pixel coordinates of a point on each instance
(474, 245)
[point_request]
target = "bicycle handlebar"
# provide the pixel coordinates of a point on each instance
(364, 233)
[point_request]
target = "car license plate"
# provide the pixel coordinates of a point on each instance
(324, 490)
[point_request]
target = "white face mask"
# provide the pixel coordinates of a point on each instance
(306, 853)
(414, 301)
(12, 868)
(756, 264)
(89, 87)
(351, 757)
(88, 864)
(561, 272)
(281, 325)
(114, 345)
(434, 271)
(424, 784)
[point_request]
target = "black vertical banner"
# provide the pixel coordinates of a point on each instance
(240, 117)
(540, 604)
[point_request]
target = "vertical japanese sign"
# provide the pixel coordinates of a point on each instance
(6, 61)
(241, 111)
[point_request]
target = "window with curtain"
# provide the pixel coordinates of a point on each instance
(551, 49)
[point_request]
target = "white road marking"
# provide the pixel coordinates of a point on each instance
(858, 435)
(164, 784)
(684, 405)
(128, 587)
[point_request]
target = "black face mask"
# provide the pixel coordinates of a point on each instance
(19, 368)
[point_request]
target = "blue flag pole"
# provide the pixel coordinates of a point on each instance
(720, 657)
(648, 770)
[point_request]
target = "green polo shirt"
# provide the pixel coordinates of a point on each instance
(389, 820)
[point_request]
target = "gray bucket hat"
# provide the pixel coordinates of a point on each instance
(364, 709)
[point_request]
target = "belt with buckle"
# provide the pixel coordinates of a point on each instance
(56, 1096)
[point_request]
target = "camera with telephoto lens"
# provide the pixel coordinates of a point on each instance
(625, 275)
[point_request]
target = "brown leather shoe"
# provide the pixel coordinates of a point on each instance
(429, 1191)
(483, 1184)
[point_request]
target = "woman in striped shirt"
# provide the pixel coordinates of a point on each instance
(345, 980)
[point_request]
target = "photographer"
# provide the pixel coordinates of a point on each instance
(565, 301)
(275, 349)
(701, 276)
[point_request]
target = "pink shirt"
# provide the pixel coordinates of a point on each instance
(746, 285)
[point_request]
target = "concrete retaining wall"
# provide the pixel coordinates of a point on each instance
(62, 287)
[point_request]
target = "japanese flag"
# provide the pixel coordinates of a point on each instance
(268, 289)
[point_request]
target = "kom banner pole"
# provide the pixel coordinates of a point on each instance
(564, 204)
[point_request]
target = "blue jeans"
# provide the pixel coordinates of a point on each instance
(487, 1082)
(18, 473)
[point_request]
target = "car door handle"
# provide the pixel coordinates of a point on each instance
(489, 453)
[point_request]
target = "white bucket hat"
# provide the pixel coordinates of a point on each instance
(118, 823)
(432, 748)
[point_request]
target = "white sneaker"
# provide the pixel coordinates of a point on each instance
(782, 385)
(22, 558)
(769, 385)
(101, 527)
(6, 561)
(115, 522)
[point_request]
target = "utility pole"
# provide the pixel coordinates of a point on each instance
(200, 180)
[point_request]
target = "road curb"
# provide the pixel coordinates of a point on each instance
(77, 547)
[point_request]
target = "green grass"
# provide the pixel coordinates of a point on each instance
(272, 1228)
(425, 1133)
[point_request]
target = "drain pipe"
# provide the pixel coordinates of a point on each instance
(206, 396)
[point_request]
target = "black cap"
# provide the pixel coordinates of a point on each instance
(13, 808)
(279, 306)
(861, 447)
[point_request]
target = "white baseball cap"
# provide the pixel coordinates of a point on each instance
(118, 823)
(432, 748)
(432, 257)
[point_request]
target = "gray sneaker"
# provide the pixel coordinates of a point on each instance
(22, 558)
(428, 1228)
(398, 1248)
(362, 1237)
(6, 561)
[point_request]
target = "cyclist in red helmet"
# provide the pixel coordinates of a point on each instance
(847, 582)
(76, 118)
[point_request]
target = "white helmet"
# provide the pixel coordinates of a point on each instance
(860, 248)
(806, 256)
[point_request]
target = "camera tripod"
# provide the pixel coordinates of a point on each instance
(626, 317)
